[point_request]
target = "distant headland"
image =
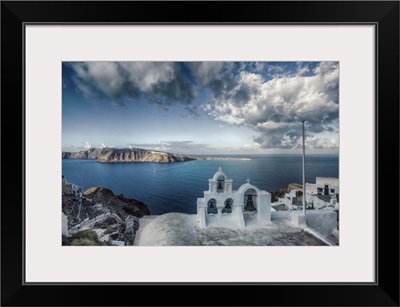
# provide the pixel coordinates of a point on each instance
(136, 155)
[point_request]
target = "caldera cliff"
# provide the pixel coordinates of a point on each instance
(127, 155)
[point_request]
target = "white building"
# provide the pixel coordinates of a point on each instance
(324, 186)
(320, 202)
(223, 203)
(321, 194)
(69, 188)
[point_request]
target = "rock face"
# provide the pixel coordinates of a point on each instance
(96, 201)
(111, 219)
(127, 155)
(117, 203)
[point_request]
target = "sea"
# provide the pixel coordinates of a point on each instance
(175, 187)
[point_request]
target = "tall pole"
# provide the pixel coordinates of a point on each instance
(304, 173)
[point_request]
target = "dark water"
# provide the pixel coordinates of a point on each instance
(175, 187)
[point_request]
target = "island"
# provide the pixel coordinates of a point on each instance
(136, 155)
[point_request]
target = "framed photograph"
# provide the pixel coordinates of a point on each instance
(247, 151)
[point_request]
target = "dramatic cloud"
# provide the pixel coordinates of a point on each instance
(317, 143)
(206, 72)
(268, 98)
(275, 108)
(217, 77)
(160, 83)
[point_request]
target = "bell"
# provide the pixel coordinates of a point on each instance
(220, 185)
(249, 204)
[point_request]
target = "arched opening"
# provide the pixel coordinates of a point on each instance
(220, 184)
(228, 206)
(212, 206)
(250, 200)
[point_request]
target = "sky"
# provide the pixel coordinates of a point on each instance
(201, 107)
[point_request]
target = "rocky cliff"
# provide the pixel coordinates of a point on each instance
(117, 203)
(96, 200)
(127, 155)
(100, 217)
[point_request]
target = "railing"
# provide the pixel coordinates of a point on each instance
(88, 223)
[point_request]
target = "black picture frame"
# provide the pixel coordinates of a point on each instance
(383, 14)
